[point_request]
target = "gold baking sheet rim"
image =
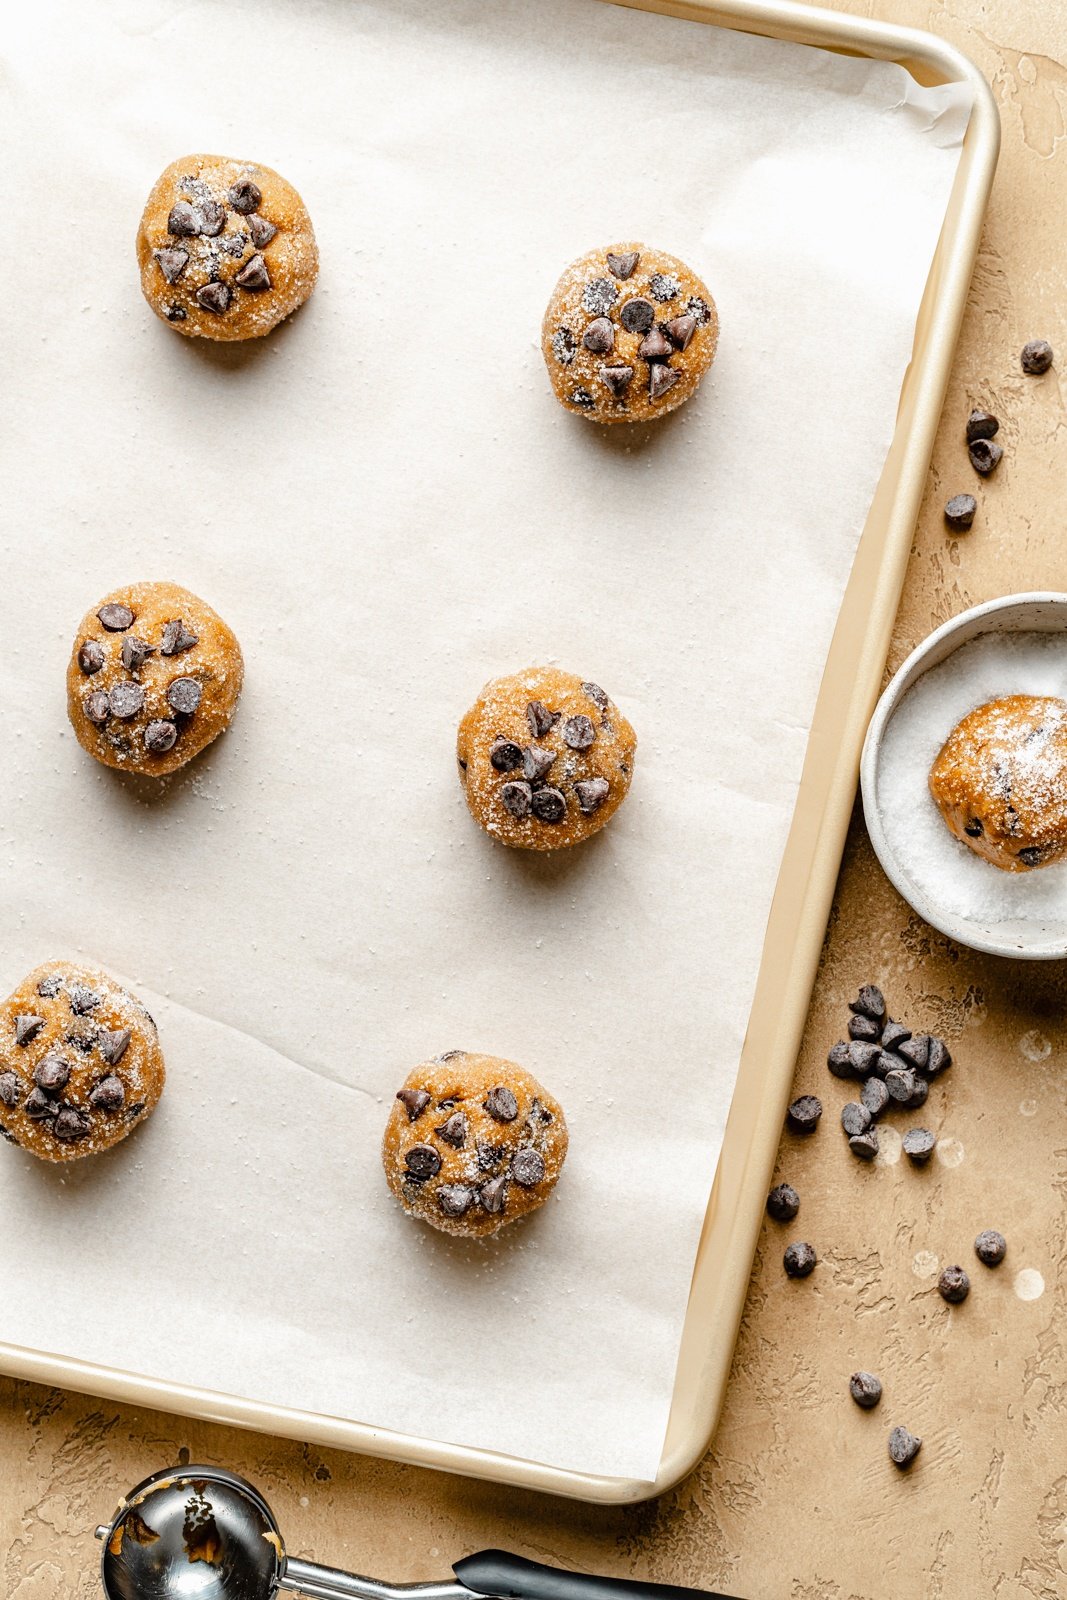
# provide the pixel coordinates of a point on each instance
(801, 904)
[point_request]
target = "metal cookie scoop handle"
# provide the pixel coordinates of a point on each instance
(199, 1533)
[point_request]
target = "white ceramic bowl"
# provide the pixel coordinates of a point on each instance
(1029, 937)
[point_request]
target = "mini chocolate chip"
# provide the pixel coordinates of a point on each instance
(159, 737)
(783, 1203)
(501, 1104)
(875, 1096)
(528, 1167)
(175, 312)
(864, 1145)
(855, 1118)
(548, 805)
(622, 266)
(900, 1081)
(918, 1145)
(414, 1102)
(681, 329)
(578, 732)
(109, 1095)
(422, 1161)
(246, 196)
(49, 987)
(177, 638)
(135, 1110)
(38, 1106)
(70, 1124)
(83, 1000)
(981, 425)
(698, 308)
(91, 657)
(172, 263)
(915, 1050)
(903, 1447)
(535, 763)
(212, 218)
(985, 455)
(254, 274)
(97, 708)
(803, 1115)
(954, 1285)
(52, 1074)
(491, 1195)
(184, 695)
(1036, 357)
(637, 316)
(663, 287)
(990, 1247)
(115, 618)
(11, 1087)
(126, 700)
(454, 1131)
(799, 1260)
(598, 296)
(617, 379)
(595, 693)
(541, 720)
(183, 221)
(114, 1044)
(505, 755)
(582, 398)
(865, 1389)
(564, 346)
(261, 230)
(870, 1002)
(453, 1199)
(839, 1060)
(894, 1035)
(863, 1028)
(135, 652)
(959, 512)
(27, 1027)
(517, 798)
(1032, 856)
(939, 1059)
(660, 379)
(590, 794)
(215, 297)
(655, 346)
(599, 337)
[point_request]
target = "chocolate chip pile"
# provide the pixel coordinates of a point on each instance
(493, 1170)
(202, 218)
(533, 794)
(982, 448)
(126, 699)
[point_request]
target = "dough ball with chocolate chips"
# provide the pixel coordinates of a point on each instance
(80, 1063)
(226, 248)
(628, 334)
(545, 758)
(472, 1143)
(154, 676)
(1000, 781)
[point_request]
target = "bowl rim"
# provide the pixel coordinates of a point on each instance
(913, 667)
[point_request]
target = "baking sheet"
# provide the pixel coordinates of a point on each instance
(385, 503)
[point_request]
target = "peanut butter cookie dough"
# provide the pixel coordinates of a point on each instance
(80, 1063)
(472, 1143)
(226, 248)
(1000, 781)
(628, 334)
(154, 676)
(545, 758)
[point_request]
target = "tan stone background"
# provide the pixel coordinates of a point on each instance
(797, 1499)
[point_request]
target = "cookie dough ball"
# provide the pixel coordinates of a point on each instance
(544, 758)
(226, 248)
(80, 1063)
(1000, 781)
(154, 676)
(628, 334)
(472, 1143)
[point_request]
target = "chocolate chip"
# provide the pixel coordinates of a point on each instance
(578, 732)
(959, 511)
(70, 1124)
(783, 1203)
(215, 297)
(212, 218)
(864, 1145)
(875, 1096)
(261, 230)
(414, 1101)
(990, 1247)
(660, 379)
(548, 805)
(517, 799)
(839, 1060)
(599, 295)
(655, 346)
(698, 308)
(135, 652)
(535, 763)
(83, 1000)
(49, 987)
(663, 287)
(865, 1389)
(115, 618)
(38, 1106)
(246, 196)
(541, 720)
(183, 221)
(915, 1050)
(177, 637)
(52, 1074)
(855, 1118)
(863, 1028)
(505, 755)
(939, 1059)
(637, 316)
(488, 1156)
(528, 1167)
(91, 657)
(681, 329)
(622, 266)
(175, 312)
(184, 695)
(454, 1131)
(109, 1095)
(804, 1113)
(595, 693)
(985, 455)
(97, 708)
(894, 1035)
(453, 1199)
(564, 346)
(27, 1027)
(918, 1145)
(582, 398)
(973, 829)
(1036, 357)
(234, 244)
(1032, 856)
(901, 1081)
(799, 1260)
(501, 1104)
(422, 1161)
(590, 794)
(981, 425)
(954, 1285)
(491, 1195)
(864, 1058)
(11, 1087)
(599, 337)
(903, 1447)
(114, 1044)
(617, 379)
(870, 1002)
(159, 737)
(254, 274)
(126, 700)
(172, 263)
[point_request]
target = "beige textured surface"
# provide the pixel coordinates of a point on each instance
(797, 1498)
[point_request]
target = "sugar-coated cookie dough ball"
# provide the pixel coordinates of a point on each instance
(1000, 781)
(472, 1143)
(628, 334)
(80, 1063)
(154, 676)
(226, 248)
(544, 758)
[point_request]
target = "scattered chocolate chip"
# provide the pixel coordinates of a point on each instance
(517, 798)
(1036, 357)
(981, 425)
(590, 794)
(115, 618)
(870, 1002)
(38, 1105)
(864, 1145)
(799, 1260)
(839, 1060)
(918, 1145)
(91, 657)
(114, 1044)
(126, 700)
(637, 316)
(855, 1118)
(990, 1247)
(414, 1102)
(254, 274)
(783, 1203)
(536, 763)
(215, 297)
(660, 379)
(52, 1074)
(865, 1057)
(49, 987)
(598, 296)
(901, 1081)
(655, 346)
(97, 708)
(959, 511)
(915, 1050)
(622, 266)
(865, 1389)
(422, 1161)
(903, 1447)
(455, 1130)
(246, 196)
(184, 696)
(11, 1087)
(939, 1059)
(894, 1034)
(578, 732)
(548, 805)
(501, 1104)
(875, 1096)
(172, 263)
(599, 337)
(863, 1028)
(183, 221)
(109, 1094)
(212, 218)
(83, 1000)
(528, 1167)
(261, 230)
(27, 1027)
(803, 1115)
(595, 693)
(159, 737)
(681, 329)
(582, 398)
(663, 287)
(70, 1124)
(175, 312)
(954, 1285)
(505, 755)
(985, 455)
(540, 718)
(491, 1195)
(135, 652)
(453, 1199)
(617, 379)
(177, 638)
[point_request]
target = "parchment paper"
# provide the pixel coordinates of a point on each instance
(387, 505)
